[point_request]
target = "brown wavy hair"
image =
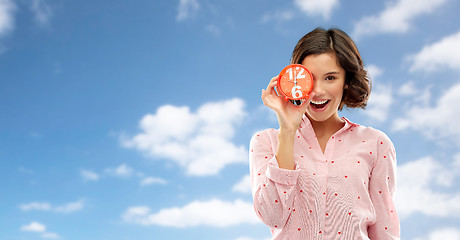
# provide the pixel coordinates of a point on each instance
(357, 86)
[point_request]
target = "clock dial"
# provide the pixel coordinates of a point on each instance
(295, 82)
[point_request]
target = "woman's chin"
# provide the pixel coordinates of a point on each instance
(321, 115)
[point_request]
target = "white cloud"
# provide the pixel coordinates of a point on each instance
(186, 9)
(396, 18)
(123, 171)
(416, 192)
(374, 71)
(438, 56)
(457, 162)
(213, 213)
(379, 102)
(35, 206)
(39, 228)
(449, 233)
(317, 7)
(213, 29)
(415, 95)
(89, 175)
(7, 8)
(437, 122)
(34, 227)
(152, 180)
(199, 141)
(244, 185)
(50, 235)
(263, 113)
(70, 207)
(134, 213)
(381, 97)
(44, 206)
(42, 11)
(408, 89)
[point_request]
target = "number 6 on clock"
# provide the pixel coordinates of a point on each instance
(295, 82)
(296, 91)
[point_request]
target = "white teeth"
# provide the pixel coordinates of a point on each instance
(319, 102)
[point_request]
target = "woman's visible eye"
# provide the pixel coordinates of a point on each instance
(330, 78)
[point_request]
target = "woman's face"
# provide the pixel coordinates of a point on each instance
(329, 80)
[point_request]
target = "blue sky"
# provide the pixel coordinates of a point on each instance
(131, 120)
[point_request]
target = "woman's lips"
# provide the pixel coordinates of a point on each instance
(319, 105)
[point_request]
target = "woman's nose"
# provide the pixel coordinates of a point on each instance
(317, 87)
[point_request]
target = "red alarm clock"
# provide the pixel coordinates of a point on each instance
(295, 82)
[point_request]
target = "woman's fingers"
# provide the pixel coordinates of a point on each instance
(306, 101)
(305, 104)
(310, 96)
(266, 98)
(289, 115)
(272, 84)
(269, 96)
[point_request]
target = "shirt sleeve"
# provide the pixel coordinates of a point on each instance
(272, 187)
(382, 187)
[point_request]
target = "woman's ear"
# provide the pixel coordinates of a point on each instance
(345, 86)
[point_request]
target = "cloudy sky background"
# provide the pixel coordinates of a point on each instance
(131, 120)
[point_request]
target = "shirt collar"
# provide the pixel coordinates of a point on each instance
(305, 127)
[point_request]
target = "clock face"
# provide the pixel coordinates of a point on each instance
(295, 82)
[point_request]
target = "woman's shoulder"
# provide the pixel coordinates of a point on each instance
(269, 132)
(264, 140)
(371, 133)
(265, 136)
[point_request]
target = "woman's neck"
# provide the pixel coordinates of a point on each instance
(328, 127)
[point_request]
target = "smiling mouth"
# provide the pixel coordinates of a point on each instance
(319, 104)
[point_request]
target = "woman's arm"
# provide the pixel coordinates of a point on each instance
(274, 176)
(273, 188)
(289, 119)
(285, 150)
(382, 187)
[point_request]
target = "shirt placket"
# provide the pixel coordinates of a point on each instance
(325, 165)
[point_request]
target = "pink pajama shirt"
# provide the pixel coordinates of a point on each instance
(344, 193)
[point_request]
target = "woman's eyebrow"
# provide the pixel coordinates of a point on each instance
(331, 73)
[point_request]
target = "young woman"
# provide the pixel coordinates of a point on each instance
(320, 176)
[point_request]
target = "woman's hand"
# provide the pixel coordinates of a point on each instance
(289, 115)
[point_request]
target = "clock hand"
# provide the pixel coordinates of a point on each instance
(295, 77)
